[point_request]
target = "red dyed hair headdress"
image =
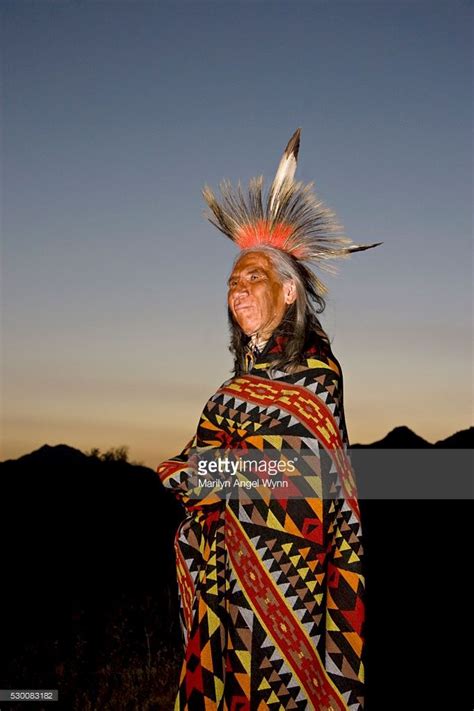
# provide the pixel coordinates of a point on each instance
(290, 217)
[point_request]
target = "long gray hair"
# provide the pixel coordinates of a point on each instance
(300, 321)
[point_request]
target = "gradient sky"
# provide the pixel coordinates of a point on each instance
(115, 114)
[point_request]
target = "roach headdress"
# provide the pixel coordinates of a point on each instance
(290, 217)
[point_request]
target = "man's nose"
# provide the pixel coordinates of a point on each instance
(239, 289)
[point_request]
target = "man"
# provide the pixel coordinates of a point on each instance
(269, 565)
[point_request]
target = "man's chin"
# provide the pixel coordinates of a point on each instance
(246, 327)
(249, 329)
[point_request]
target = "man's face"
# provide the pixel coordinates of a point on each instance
(257, 297)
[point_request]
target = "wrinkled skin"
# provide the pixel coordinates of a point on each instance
(256, 296)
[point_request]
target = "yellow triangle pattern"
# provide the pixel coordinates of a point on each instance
(275, 440)
(213, 621)
(219, 687)
(273, 522)
(330, 624)
(273, 698)
(245, 659)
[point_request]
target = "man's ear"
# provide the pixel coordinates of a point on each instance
(289, 291)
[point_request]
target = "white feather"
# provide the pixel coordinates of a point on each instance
(286, 170)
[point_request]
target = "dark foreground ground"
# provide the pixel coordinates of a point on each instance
(89, 599)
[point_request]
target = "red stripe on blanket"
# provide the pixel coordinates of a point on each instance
(279, 619)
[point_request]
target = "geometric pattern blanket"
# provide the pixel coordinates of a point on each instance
(270, 581)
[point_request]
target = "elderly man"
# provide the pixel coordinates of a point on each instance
(269, 558)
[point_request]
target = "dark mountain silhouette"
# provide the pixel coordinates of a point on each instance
(404, 438)
(464, 439)
(63, 454)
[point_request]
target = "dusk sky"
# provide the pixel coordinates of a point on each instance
(114, 116)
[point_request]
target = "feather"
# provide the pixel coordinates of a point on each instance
(361, 247)
(286, 169)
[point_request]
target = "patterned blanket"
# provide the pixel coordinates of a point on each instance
(270, 579)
